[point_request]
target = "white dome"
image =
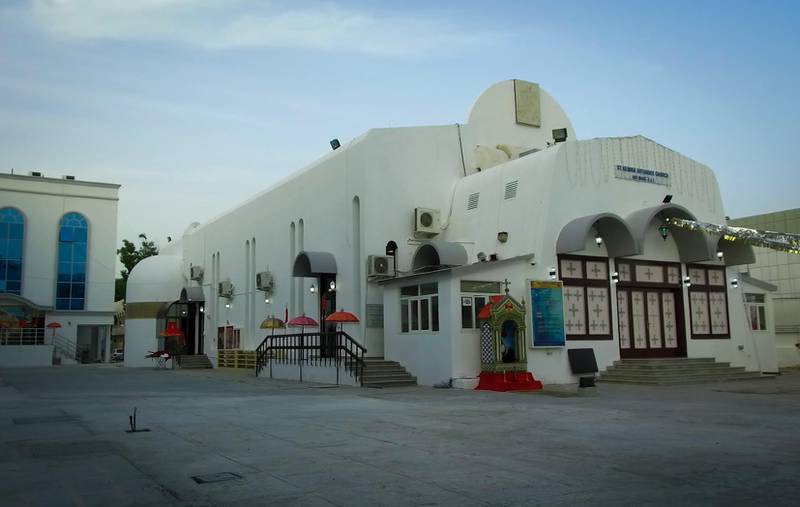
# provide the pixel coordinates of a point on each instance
(156, 279)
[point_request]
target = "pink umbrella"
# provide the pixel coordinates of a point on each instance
(302, 321)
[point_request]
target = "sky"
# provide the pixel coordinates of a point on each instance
(193, 106)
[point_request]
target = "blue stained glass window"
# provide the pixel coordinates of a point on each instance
(73, 237)
(12, 234)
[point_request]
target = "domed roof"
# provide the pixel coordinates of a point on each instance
(156, 279)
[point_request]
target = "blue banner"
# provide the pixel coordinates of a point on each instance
(547, 314)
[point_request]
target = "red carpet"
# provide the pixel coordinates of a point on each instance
(508, 381)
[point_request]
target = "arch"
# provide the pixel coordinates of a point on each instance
(314, 264)
(734, 253)
(617, 235)
(73, 243)
(437, 255)
(692, 246)
(192, 295)
(12, 239)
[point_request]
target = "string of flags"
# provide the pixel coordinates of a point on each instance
(781, 241)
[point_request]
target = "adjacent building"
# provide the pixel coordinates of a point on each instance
(783, 271)
(416, 229)
(57, 267)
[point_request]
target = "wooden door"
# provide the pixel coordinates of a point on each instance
(649, 322)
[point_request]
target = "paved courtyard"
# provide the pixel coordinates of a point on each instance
(64, 442)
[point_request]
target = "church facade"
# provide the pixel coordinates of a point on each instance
(416, 229)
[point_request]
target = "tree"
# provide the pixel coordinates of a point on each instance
(129, 256)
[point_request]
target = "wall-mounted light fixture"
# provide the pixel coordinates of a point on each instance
(734, 282)
(720, 255)
(332, 285)
(312, 289)
(553, 273)
(664, 231)
(266, 300)
(481, 257)
(598, 241)
(615, 277)
(202, 309)
(687, 281)
(227, 305)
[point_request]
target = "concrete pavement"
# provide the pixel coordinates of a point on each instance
(64, 442)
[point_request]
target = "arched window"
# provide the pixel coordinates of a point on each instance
(12, 231)
(73, 234)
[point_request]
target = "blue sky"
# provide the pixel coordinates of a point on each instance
(194, 105)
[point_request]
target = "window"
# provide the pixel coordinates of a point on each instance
(708, 301)
(73, 236)
(756, 309)
(474, 295)
(587, 305)
(419, 308)
(472, 201)
(12, 232)
(228, 338)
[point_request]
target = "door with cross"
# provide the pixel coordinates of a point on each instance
(649, 310)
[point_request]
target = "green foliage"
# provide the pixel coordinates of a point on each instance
(129, 256)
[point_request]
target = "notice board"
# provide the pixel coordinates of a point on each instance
(547, 313)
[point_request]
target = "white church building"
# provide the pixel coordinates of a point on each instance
(415, 229)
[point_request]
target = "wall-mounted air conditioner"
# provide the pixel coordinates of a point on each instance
(426, 222)
(264, 281)
(380, 265)
(196, 273)
(225, 289)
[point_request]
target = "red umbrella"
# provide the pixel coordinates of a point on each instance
(172, 330)
(53, 326)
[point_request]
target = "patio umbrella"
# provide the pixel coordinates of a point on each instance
(302, 321)
(171, 330)
(273, 323)
(53, 326)
(342, 317)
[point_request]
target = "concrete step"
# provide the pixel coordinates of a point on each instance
(673, 371)
(659, 361)
(195, 362)
(410, 381)
(671, 366)
(379, 372)
(651, 381)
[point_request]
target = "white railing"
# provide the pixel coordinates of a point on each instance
(22, 336)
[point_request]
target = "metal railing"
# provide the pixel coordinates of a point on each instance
(22, 336)
(314, 349)
(65, 347)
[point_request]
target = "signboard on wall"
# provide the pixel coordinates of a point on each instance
(625, 172)
(546, 314)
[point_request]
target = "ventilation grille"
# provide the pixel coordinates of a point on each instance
(472, 201)
(511, 189)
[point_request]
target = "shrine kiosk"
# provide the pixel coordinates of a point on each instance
(504, 366)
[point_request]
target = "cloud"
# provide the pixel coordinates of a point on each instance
(243, 24)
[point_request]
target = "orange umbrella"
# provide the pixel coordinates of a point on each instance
(341, 316)
(53, 326)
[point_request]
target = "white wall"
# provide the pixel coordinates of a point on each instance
(15, 356)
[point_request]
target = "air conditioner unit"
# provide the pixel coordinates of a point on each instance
(380, 265)
(264, 281)
(225, 289)
(426, 222)
(196, 273)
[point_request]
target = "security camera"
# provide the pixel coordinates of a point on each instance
(532, 260)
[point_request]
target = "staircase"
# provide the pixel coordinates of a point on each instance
(381, 373)
(195, 362)
(670, 371)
